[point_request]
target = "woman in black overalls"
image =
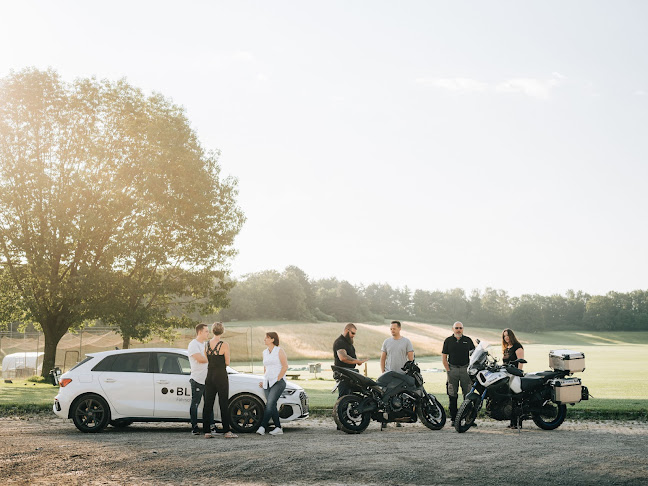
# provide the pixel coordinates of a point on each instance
(512, 350)
(217, 382)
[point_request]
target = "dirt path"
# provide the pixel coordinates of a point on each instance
(50, 450)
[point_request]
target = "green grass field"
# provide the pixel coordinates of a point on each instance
(615, 363)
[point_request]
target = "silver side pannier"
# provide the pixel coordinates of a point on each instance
(567, 390)
(567, 360)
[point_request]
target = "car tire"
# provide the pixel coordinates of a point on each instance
(90, 413)
(246, 413)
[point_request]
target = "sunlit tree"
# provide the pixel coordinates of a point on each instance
(109, 206)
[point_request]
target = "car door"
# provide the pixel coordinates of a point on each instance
(172, 387)
(128, 384)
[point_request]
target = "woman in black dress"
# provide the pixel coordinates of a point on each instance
(512, 350)
(217, 382)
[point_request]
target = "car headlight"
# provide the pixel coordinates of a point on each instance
(287, 392)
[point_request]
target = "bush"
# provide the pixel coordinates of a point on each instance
(321, 316)
(37, 379)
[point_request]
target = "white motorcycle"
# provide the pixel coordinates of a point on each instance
(509, 394)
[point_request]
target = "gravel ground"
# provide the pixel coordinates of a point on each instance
(47, 450)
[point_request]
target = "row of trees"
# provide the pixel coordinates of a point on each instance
(109, 208)
(292, 295)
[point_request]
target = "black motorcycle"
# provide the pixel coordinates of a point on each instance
(509, 394)
(394, 397)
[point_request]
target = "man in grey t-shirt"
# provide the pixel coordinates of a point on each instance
(396, 350)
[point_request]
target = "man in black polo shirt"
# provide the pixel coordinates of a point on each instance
(344, 354)
(456, 354)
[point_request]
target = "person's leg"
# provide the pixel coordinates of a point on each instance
(466, 382)
(453, 391)
(266, 411)
(223, 401)
(208, 408)
(197, 392)
(343, 389)
(273, 397)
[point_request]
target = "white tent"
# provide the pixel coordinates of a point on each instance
(22, 365)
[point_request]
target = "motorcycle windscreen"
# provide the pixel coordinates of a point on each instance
(478, 356)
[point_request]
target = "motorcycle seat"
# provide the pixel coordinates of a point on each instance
(355, 376)
(531, 382)
(547, 375)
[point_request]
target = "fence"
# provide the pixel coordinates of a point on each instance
(75, 345)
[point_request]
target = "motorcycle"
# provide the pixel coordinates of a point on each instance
(393, 397)
(510, 394)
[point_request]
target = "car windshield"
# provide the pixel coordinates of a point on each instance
(231, 371)
(479, 354)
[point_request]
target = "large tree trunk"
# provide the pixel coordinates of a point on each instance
(126, 342)
(53, 330)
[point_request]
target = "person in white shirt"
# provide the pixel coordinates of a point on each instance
(198, 362)
(396, 350)
(275, 365)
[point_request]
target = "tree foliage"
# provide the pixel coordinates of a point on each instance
(109, 206)
(258, 296)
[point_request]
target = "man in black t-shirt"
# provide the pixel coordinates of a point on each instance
(456, 354)
(344, 354)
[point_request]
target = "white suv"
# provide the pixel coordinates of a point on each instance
(152, 385)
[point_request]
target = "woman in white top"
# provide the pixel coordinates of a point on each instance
(275, 365)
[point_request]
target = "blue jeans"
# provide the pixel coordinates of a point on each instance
(272, 396)
(197, 392)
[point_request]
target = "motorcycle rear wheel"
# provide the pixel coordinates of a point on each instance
(347, 417)
(432, 413)
(466, 415)
(556, 417)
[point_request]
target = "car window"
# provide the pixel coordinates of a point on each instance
(131, 363)
(81, 362)
(173, 364)
(105, 364)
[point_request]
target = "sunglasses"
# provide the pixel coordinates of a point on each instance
(458, 327)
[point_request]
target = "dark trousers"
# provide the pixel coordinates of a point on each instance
(344, 388)
(272, 397)
(197, 392)
(458, 375)
(216, 384)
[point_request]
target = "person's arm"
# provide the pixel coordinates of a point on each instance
(199, 357)
(345, 358)
(520, 355)
(226, 353)
(444, 358)
(284, 364)
(383, 358)
(410, 355)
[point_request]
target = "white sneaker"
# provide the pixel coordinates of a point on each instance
(276, 431)
(260, 431)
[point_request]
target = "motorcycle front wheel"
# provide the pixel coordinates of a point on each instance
(347, 417)
(432, 413)
(466, 415)
(552, 417)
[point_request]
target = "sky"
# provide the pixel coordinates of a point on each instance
(425, 144)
